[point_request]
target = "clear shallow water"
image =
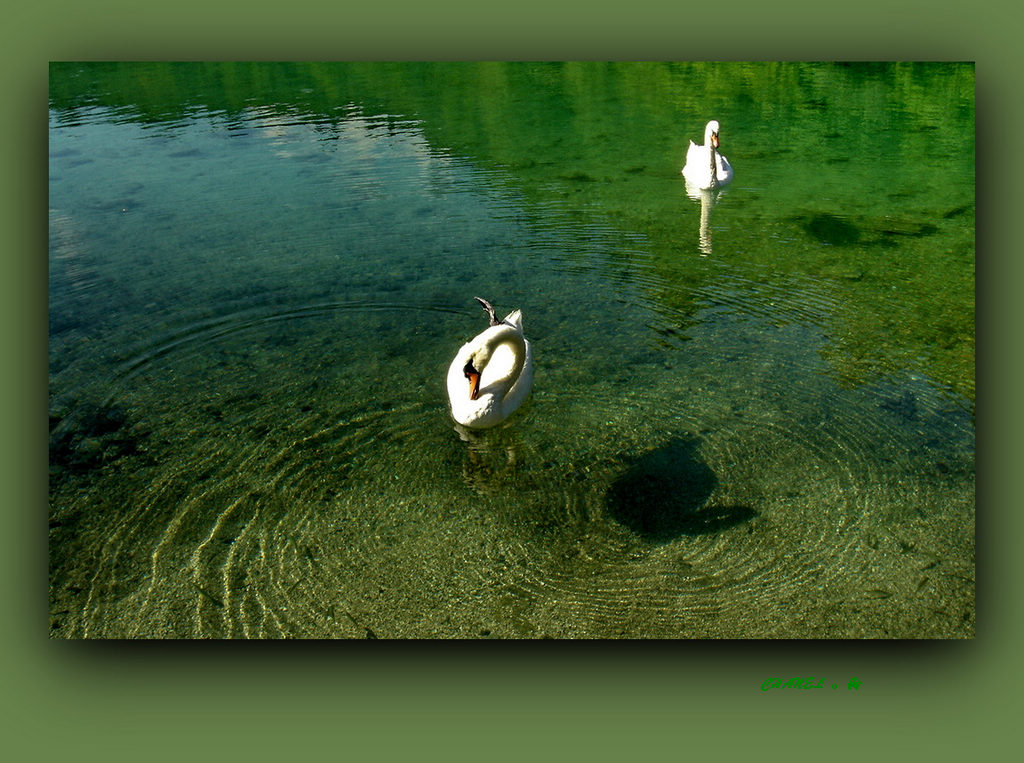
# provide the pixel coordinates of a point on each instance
(258, 276)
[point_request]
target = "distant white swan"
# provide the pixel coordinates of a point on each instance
(492, 373)
(706, 168)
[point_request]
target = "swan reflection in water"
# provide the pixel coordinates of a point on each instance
(707, 199)
(491, 458)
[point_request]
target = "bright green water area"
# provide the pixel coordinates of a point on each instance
(752, 412)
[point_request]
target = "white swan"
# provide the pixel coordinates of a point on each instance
(492, 373)
(706, 168)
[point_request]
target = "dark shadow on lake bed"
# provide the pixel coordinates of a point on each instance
(664, 494)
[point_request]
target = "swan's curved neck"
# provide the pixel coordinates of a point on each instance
(515, 340)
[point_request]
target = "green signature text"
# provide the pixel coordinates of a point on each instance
(805, 683)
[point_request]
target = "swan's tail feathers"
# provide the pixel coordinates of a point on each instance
(515, 319)
(490, 310)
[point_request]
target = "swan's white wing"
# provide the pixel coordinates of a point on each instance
(458, 385)
(691, 155)
(698, 165)
(725, 172)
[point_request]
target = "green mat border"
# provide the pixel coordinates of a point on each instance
(506, 700)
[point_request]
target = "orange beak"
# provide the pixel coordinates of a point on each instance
(474, 380)
(714, 140)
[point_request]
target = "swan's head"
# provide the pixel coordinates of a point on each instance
(473, 375)
(711, 134)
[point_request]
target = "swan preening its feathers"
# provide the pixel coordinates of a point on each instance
(492, 373)
(706, 168)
